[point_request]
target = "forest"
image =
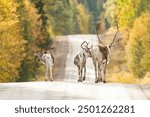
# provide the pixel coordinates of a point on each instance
(27, 26)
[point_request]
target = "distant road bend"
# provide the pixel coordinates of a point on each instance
(66, 86)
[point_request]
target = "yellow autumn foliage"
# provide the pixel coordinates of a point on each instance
(11, 41)
(139, 45)
(83, 19)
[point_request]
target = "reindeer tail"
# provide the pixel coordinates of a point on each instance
(76, 60)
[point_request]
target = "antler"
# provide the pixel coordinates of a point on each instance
(82, 44)
(88, 46)
(97, 29)
(115, 34)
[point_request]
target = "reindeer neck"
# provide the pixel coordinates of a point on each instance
(85, 54)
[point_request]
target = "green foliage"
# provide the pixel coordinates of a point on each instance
(136, 57)
(139, 46)
(31, 32)
(61, 22)
(133, 18)
(110, 8)
(125, 11)
(95, 9)
(73, 20)
(67, 21)
(144, 6)
(83, 19)
(45, 39)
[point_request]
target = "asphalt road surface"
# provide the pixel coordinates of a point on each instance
(65, 85)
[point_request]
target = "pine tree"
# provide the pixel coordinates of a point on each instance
(31, 26)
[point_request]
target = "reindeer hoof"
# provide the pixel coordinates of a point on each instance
(96, 81)
(51, 80)
(45, 80)
(84, 78)
(104, 81)
(80, 80)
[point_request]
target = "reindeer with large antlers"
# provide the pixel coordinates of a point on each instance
(101, 56)
(80, 60)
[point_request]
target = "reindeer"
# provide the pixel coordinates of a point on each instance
(101, 55)
(46, 59)
(80, 60)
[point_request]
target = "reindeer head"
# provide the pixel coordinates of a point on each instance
(106, 49)
(86, 49)
(38, 55)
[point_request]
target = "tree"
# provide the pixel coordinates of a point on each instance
(133, 18)
(11, 41)
(60, 22)
(95, 9)
(83, 19)
(45, 36)
(139, 46)
(31, 31)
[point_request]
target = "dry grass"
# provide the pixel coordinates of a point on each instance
(128, 78)
(122, 77)
(145, 80)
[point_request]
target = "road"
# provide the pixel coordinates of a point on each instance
(66, 86)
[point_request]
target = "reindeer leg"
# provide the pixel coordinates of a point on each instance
(84, 77)
(79, 72)
(51, 73)
(96, 72)
(46, 73)
(104, 65)
(99, 73)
